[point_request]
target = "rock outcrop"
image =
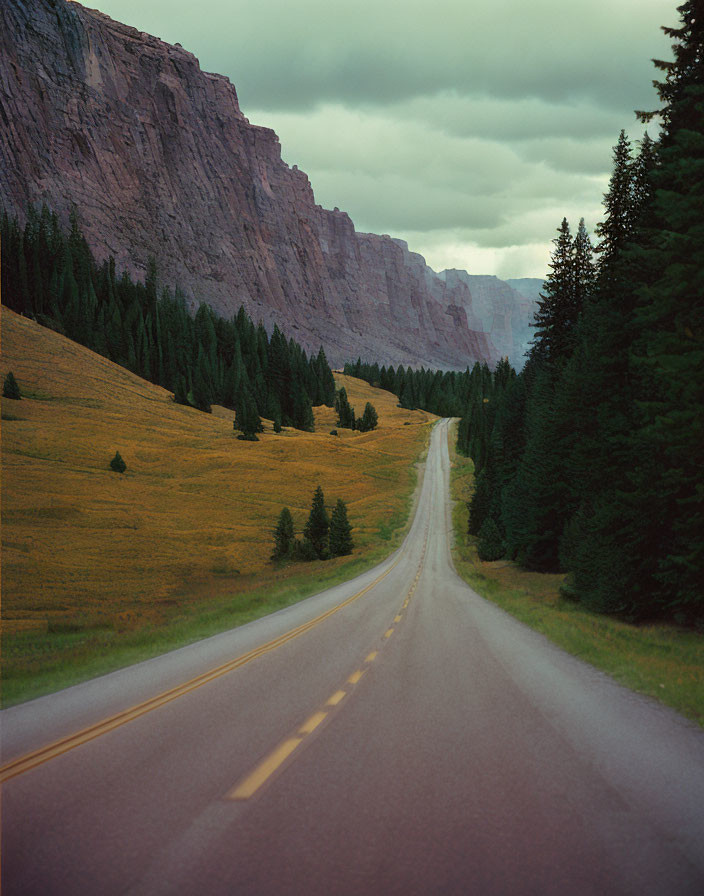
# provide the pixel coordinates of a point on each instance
(158, 158)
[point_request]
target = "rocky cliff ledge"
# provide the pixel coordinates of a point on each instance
(158, 159)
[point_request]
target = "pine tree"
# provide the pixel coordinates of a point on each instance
(345, 412)
(117, 463)
(617, 225)
(318, 525)
(325, 379)
(567, 288)
(407, 394)
(10, 389)
(369, 419)
(340, 531)
(181, 390)
(490, 545)
(284, 536)
(202, 389)
(557, 291)
(534, 502)
(480, 503)
(668, 355)
(247, 419)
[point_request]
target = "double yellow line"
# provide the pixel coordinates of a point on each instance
(38, 757)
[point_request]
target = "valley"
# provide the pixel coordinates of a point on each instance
(95, 561)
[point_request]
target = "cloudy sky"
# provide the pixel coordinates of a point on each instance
(469, 128)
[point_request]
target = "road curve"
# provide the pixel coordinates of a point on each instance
(393, 735)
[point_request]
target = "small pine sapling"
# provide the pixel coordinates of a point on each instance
(117, 463)
(10, 388)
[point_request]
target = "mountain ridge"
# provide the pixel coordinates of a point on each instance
(158, 158)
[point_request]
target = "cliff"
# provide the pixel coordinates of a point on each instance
(158, 159)
(501, 309)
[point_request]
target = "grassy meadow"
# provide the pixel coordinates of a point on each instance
(662, 661)
(101, 568)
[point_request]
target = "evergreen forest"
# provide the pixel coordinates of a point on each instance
(590, 461)
(203, 359)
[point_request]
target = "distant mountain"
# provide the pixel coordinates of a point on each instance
(501, 308)
(530, 287)
(158, 158)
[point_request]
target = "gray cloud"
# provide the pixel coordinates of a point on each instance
(285, 55)
(468, 129)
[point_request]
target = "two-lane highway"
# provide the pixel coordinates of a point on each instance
(396, 734)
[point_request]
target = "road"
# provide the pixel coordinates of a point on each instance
(394, 735)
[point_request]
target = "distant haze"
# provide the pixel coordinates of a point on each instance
(468, 130)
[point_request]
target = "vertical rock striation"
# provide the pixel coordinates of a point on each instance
(158, 158)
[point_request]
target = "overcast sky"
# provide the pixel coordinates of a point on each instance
(469, 128)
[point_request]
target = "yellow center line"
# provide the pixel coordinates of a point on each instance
(51, 751)
(264, 770)
(312, 723)
(249, 785)
(336, 698)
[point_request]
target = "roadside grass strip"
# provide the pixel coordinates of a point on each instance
(44, 754)
(663, 661)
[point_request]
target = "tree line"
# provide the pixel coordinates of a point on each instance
(591, 460)
(324, 535)
(203, 359)
(346, 418)
(442, 392)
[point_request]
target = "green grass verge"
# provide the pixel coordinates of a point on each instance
(662, 661)
(37, 663)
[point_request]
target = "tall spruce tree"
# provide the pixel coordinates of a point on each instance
(247, 420)
(202, 386)
(535, 509)
(345, 412)
(668, 354)
(318, 525)
(369, 419)
(553, 311)
(284, 536)
(340, 531)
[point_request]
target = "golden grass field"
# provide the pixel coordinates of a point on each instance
(192, 518)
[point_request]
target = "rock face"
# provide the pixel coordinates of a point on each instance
(502, 309)
(158, 158)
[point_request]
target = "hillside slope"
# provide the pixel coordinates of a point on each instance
(192, 517)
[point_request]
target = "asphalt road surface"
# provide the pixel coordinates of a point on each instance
(394, 735)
